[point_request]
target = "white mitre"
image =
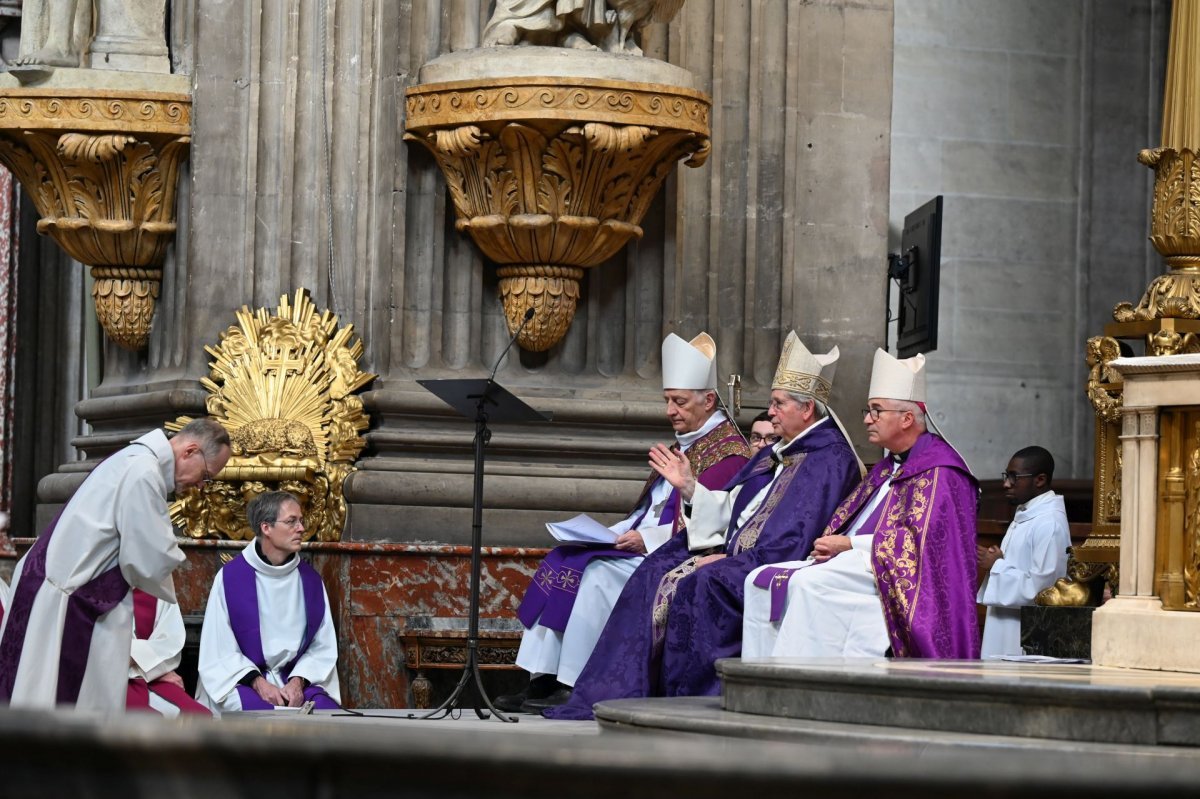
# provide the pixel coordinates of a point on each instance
(896, 379)
(802, 372)
(689, 364)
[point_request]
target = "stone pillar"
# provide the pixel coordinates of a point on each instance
(1133, 630)
(129, 36)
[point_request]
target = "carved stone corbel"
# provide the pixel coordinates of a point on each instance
(101, 167)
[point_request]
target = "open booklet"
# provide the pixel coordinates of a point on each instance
(581, 529)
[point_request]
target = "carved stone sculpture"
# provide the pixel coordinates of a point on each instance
(101, 167)
(612, 26)
(283, 385)
(118, 34)
(552, 175)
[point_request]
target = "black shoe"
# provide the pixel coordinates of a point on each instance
(560, 697)
(539, 687)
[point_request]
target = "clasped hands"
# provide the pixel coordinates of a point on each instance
(290, 695)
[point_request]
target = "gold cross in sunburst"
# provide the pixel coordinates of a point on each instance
(285, 364)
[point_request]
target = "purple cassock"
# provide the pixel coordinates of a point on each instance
(241, 597)
(923, 550)
(715, 457)
(671, 616)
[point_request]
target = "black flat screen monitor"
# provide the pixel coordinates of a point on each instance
(922, 243)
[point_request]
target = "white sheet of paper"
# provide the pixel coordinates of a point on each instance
(581, 529)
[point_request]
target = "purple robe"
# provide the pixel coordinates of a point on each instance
(715, 457)
(629, 658)
(923, 551)
(704, 622)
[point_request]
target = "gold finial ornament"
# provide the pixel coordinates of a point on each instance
(283, 385)
(101, 167)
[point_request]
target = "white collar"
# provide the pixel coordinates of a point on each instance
(685, 440)
(266, 568)
(1042, 503)
(156, 441)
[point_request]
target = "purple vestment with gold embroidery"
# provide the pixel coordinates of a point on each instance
(673, 621)
(715, 457)
(923, 550)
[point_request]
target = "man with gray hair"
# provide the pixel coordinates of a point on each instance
(268, 639)
(895, 566)
(67, 634)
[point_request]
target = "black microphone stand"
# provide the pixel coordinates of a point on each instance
(490, 393)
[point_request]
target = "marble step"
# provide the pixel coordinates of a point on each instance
(703, 715)
(1075, 702)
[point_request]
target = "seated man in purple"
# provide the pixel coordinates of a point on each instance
(268, 637)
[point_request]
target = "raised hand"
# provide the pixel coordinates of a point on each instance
(673, 466)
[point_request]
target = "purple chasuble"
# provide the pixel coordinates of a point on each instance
(87, 604)
(702, 611)
(923, 551)
(241, 598)
(715, 457)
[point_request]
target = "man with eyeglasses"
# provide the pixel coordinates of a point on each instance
(68, 631)
(1032, 555)
(576, 587)
(895, 568)
(771, 510)
(268, 639)
(762, 432)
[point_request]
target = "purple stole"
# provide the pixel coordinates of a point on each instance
(137, 694)
(88, 603)
(923, 551)
(241, 598)
(777, 577)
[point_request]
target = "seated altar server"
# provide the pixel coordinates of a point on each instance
(574, 588)
(158, 639)
(66, 637)
(1032, 555)
(268, 639)
(895, 566)
(671, 623)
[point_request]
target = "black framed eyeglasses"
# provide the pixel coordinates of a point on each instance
(770, 438)
(208, 476)
(874, 412)
(1012, 477)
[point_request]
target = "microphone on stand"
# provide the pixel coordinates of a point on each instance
(511, 341)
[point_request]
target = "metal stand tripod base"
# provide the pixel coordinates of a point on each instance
(452, 703)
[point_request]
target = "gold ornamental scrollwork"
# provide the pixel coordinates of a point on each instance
(551, 179)
(1175, 233)
(102, 170)
(283, 384)
(1103, 385)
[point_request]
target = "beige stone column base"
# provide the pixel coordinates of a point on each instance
(1136, 633)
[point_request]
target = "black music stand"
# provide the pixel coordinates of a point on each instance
(484, 400)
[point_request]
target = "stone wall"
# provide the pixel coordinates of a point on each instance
(785, 227)
(1028, 118)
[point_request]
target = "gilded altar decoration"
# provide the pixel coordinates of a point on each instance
(1191, 529)
(283, 385)
(101, 167)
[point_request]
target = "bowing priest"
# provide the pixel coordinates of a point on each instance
(268, 639)
(895, 567)
(671, 623)
(66, 636)
(1032, 555)
(574, 589)
(158, 639)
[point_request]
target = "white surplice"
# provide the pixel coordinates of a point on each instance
(117, 517)
(832, 608)
(3, 596)
(281, 621)
(151, 658)
(1035, 555)
(547, 651)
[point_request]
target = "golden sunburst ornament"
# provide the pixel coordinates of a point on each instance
(283, 385)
